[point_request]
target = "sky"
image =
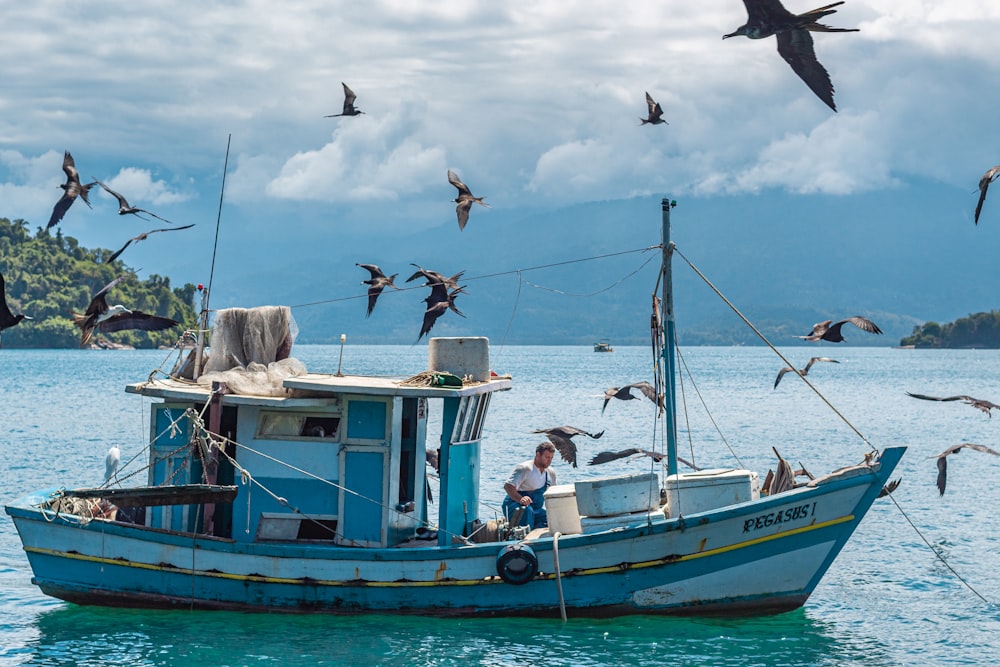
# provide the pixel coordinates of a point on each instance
(534, 104)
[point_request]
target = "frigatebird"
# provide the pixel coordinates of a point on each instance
(72, 188)
(124, 208)
(801, 371)
(349, 109)
(376, 284)
(795, 44)
(830, 331)
(101, 317)
(605, 457)
(464, 199)
(433, 277)
(942, 460)
(7, 318)
(142, 237)
(655, 112)
(438, 302)
(625, 394)
(984, 183)
(977, 403)
(562, 438)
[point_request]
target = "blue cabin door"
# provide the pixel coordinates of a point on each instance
(363, 497)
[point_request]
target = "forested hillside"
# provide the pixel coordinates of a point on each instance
(50, 276)
(979, 330)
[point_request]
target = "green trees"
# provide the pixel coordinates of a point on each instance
(49, 277)
(979, 330)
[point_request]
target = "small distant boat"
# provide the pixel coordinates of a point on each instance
(603, 346)
(313, 499)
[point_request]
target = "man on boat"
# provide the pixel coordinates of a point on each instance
(526, 488)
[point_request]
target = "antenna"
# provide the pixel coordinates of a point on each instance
(203, 318)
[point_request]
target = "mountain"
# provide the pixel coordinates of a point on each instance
(575, 274)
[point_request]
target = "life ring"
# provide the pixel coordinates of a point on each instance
(517, 564)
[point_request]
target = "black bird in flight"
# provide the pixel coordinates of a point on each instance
(349, 109)
(378, 282)
(433, 277)
(977, 403)
(124, 208)
(801, 371)
(984, 183)
(562, 438)
(605, 457)
(625, 394)
(100, 317)
(439, 301)
(942, 460)
(655, 112)
(464, 200)
(71, 190)
(7, 318)
(142, 237)
(830, 331)
(795, 44)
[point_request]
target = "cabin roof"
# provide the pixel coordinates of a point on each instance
(314, 389)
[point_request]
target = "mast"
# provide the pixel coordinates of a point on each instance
(669, 359)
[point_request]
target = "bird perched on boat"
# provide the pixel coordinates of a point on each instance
(349, 109)
(605, 457)
(942, 460)
(829, 331)
(71, 190)
(439, 301)
(142, 237)
(378, 282)
(111, 463)
(562, 438)
(464, 199)
(655, 113)
(101, 317)
(984, 183)
(625, 394)
(124, 208)
(795, 44)
(977, 403)
(801, 371)
(7, 318)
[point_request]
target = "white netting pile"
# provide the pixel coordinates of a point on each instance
(250, 350)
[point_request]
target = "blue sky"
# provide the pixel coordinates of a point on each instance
(532, 103)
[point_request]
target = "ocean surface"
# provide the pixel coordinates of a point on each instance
(917, 584)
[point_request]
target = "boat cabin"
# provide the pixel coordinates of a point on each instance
(337, 458)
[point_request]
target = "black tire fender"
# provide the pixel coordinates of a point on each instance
(517, 564)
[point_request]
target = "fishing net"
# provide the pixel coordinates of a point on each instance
(250, 350)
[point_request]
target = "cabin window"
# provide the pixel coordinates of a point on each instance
(279, 425)
(470, 418)
(293, 527)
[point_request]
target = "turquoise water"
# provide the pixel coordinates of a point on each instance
(887, 600)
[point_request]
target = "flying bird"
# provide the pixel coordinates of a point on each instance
(977, 403)
(439, 301)
(655, 112)
(378, 282)
(801, 371)
(464, 199)
(124, 208)
(831, 332)
(625, 394)
(433, 277)
(562, 438)
(942, 460)
(984, 183)
(142, 237)
(349, 109)
(71, 190)
(7, 318)
(101, 317)
(795, 44)
(605, 457)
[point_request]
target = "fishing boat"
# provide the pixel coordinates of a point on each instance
(603, 346)
(307, 493)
